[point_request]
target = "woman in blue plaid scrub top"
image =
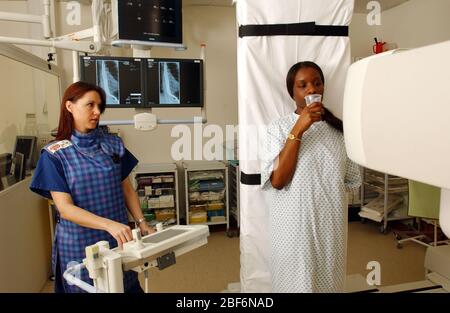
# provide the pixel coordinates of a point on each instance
(85, 171)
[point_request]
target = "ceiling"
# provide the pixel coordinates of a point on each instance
(222, 3)
(361, 5)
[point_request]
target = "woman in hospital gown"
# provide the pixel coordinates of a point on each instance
(306, 173)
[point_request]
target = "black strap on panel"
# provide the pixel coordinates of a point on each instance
(296, 29)
(250, 179)
(420, 289)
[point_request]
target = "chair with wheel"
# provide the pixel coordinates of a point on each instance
(423, 204)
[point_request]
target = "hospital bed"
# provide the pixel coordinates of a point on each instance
(160, 249)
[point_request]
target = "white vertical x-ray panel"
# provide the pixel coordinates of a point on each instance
(263, 63)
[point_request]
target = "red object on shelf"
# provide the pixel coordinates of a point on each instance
(378, 47)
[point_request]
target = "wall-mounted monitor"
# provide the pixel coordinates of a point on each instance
(174, 83)
(26, 145)
(120, 78)
(149, 22)
(142, 82)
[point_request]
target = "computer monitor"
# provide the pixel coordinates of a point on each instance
(121, 79)
(19, 166)
(27, 146)
(150, 22)
(174, 83)
(5, 164)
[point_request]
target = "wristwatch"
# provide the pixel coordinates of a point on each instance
(292, 137)
(139, 221)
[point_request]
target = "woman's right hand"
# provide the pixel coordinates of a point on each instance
(310, 115)
(120, 232)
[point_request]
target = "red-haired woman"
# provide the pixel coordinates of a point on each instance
(85, 171)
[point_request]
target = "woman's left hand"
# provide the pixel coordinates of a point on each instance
(145, 229)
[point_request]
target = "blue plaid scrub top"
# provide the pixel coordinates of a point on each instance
(90, 167)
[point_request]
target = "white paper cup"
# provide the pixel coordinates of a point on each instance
(310, 99)
(159, 227)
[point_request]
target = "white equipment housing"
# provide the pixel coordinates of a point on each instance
(106, 266)
(145, 121)
(396, 120)
(396, 117)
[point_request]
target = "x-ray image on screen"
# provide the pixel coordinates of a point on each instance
(108, 79)
(169, 82)
(174, 83)
(120, 78)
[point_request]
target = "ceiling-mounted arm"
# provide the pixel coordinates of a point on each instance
(88, 47)
(44, 19)
(64, 42)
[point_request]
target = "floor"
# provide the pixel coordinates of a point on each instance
(212, 267)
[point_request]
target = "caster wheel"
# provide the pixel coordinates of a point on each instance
(383, 230)
(398, 237)
(399, 246)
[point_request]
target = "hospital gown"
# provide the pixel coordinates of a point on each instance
(308, 217)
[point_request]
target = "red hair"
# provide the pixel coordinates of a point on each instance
(73, 93)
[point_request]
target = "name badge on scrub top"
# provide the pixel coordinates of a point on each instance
(58, 146)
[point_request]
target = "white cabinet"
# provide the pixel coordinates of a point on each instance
(157, 189)
(206, 192)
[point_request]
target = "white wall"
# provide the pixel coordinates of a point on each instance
(25, 89)
(14, 104)
(14, 29)
(412, 24)
(417, 23)
(23, 30)
(215, 26)
(362, 36)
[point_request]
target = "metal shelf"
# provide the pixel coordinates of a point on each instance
(206, 166)
(392, 189)
(387, 186)
(157, 170)
(210, 223)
